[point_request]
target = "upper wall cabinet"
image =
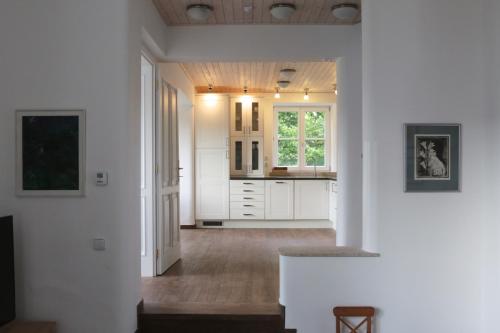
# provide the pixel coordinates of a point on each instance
(246, 117)
(211, 119)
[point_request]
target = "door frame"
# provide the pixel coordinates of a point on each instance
(152, 238)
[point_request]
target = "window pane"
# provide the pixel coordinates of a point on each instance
(288, 124)
(315, 152)
(288, 153)
(315, 124)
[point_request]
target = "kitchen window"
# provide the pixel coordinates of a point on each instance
(301, 138)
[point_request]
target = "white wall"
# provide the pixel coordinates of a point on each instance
(78, 54)
(423, 61)
(491, 231)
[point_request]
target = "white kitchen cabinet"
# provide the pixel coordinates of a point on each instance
(247, 156)
(312, 199)
(211, 121)
(333, 203)
(247, 199)
(212, 184)
(279, 199)
(246, 117)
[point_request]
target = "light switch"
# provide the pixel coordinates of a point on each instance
(101, 178)
(99, 244)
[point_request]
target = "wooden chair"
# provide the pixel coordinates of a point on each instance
(340, 312)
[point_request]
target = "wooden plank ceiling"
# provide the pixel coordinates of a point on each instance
(261, 76)
(254, 12)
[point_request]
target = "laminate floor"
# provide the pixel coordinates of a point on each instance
(221, 267)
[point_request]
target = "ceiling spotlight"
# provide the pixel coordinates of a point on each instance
(283, 83)
(306, 94)
(287, 73)
(345, 11)
(245, 90)
(277, 93)
(210, 87)
(282, 11)
(335, 89)
(199, 12)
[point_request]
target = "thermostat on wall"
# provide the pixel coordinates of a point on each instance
(101, 178)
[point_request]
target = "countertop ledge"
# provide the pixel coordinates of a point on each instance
(283, 178)
(324, 251)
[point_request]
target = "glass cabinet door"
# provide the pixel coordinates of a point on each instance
(255, 156)
(237, 118)
(238, 156)
(255, 119)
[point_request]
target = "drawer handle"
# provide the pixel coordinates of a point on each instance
(280, 183)
(247, 190)
(247, 198)
(248, 184)
(248, 214)
(248, 206)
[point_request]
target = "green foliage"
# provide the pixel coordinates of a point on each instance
(288, 134)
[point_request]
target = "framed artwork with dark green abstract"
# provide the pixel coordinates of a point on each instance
(50, 152)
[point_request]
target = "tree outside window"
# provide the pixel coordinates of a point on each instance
(301, 138)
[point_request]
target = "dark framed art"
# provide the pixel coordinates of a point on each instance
(432, 157)
(50, 152)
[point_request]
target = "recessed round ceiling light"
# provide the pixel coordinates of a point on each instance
(199, 12)
(283, 83)
(345, 11)
(282, 11)
(287, 73)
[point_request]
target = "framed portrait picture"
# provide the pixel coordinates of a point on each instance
(50, 152)
(432, 157)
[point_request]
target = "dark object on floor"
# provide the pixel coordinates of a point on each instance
(7, 289)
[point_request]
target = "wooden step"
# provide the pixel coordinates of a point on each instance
(211, 318)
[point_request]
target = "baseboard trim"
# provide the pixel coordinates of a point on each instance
(188, 226)
(275, 224)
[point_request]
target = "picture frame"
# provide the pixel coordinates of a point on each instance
(50, 152)
(432, 157)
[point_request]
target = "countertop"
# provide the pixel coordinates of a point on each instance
(324, 251)
(283, 178)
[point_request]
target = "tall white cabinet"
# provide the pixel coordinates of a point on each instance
(247, 137)
(212, 157)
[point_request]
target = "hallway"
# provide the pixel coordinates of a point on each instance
(228, 268)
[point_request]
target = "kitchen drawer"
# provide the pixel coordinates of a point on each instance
(247, 205)
(246, 183)
(247, 197)
(247, 214)
(247, 190)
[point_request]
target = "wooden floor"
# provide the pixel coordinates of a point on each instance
(220, 267)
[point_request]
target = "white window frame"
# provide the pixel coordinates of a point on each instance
(301, 110)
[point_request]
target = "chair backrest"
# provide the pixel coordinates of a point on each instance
(341, 312)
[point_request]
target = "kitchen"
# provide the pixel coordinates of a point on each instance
(266, 152)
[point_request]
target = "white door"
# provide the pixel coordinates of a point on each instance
(148, 256)
(279, 200)
(167, 177)
(212, 184)
(312, 199)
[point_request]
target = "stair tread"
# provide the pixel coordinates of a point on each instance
(212, 309)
